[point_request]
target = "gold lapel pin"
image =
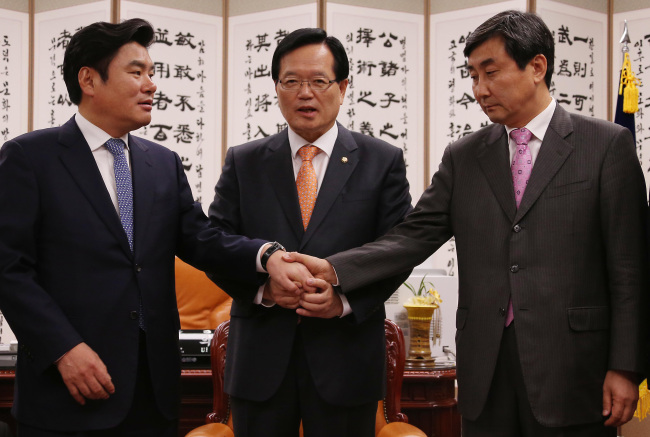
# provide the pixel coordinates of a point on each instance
(344, 160)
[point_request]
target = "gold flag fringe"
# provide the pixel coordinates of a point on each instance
(629, 83)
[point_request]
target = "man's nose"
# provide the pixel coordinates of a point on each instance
(305, 89)
(480, 89)
(149, 85)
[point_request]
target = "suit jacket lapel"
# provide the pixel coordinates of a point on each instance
(493, 157)
(336, 176)
(144, 183)
(79, 161)
(278, 166)
(553, 153)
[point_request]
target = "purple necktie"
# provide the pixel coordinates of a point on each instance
(522, 165)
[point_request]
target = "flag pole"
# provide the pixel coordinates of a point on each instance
(625, 39)
(643, 406)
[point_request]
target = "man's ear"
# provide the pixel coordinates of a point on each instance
(87, 80)
(540, 65)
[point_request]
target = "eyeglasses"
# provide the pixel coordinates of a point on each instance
(314, 84)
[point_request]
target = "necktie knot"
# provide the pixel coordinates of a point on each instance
(308, 152)
(115, 146)
(521, 136)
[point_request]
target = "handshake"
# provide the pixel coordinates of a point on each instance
(302, 283)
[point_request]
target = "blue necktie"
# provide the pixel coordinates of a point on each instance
(124, 186)
(124, 198)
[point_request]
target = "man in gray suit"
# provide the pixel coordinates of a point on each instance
(551, 270)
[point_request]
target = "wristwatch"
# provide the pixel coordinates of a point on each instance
(274, 247)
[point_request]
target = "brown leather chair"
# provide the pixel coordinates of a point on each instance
(390, 421)
(201, 304)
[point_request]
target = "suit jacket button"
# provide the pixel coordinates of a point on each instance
(134, 315)
(517, 228)
(502, 312)
(138, 268)
(514, 268)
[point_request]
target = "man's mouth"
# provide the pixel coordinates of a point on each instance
(146, 104)
(307, 110)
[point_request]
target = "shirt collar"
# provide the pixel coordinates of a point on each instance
(95, 137)
(325, 142)
(538, 125)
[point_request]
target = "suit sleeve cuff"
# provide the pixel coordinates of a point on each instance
(337, 283)
(347, 309)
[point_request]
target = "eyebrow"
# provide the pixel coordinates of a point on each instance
(140, 64)
(318, 73)
(483, 63)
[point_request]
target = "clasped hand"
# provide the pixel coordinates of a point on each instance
(302, 283)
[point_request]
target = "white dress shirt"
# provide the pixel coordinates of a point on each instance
(96, 138)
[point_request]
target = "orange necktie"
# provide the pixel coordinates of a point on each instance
(307, 183)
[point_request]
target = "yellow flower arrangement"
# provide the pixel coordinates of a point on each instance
(643, 407)
(425, 295)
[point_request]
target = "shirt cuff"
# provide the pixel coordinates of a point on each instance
(346, 305)
(258, 260)
(259, 298)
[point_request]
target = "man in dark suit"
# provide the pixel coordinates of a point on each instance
(91, 220)
(318, 357)
(551, 270)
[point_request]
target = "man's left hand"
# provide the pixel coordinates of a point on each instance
(325, 304)
(620, 397)
(290, 277)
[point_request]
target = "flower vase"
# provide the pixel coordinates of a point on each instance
(419, 353)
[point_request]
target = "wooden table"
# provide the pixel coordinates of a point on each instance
(428, 399)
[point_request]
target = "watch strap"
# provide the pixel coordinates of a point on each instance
(274, 247)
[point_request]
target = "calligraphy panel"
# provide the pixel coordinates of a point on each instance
(385, 97)
(454, 111)
(52, 32)
(187, 54)
(580, 74)
(253, 110)
(638, 24)
(14, 65)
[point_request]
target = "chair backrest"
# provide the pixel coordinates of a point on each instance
(395, 358)
(201, 304)
(388, 409)
(220, 402)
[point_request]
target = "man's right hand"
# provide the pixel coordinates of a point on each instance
(320, 268)
(85, 374)
(274, 293)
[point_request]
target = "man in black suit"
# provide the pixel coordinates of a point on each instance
(91, 220)
(318, 357)
(548, 212)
